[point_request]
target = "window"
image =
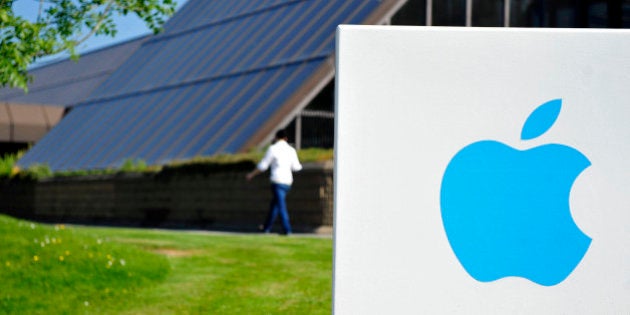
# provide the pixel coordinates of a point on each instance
(449, 12)
(570, 13)
(487, 12)
(414, 12)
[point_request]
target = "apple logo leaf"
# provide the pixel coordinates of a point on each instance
(541, 119)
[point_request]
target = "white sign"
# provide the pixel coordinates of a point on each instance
(482, 171)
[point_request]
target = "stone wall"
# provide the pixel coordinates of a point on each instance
(222, 200)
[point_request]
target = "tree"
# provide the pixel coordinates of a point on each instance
(62, 25)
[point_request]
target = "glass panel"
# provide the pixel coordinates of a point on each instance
(619, 13)
(487, 12)
(414, 12)
(528, 13)
(570, 13)
(597, 14)
(449, 12)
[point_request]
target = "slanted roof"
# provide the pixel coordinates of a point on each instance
(68, 82)
(220, 79)
(24, 123)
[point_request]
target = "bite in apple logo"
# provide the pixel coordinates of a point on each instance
(506, 211)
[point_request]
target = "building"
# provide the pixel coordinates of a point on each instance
(516, 13)
(226, 74)
(221, 78)
(27, 117)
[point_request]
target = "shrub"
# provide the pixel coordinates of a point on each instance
(8, 168)
(197, 165)
(133, 165)
(36, 172)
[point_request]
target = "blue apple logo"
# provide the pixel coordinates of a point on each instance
(506, 212)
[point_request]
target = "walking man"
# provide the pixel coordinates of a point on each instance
(283, 160)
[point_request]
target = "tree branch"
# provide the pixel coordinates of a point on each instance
(98, 24)
(62, 25)
(40, 10)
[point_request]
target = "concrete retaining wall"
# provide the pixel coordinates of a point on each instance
(221, 200)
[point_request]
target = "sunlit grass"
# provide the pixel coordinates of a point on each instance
(68, 270)
(59, 269)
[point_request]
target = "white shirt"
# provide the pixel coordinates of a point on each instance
(283, 161)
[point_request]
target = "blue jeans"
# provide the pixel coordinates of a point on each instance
(278, 206)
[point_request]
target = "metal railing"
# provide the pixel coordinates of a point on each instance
(314, 128)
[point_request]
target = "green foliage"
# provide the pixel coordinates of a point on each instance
(198, 165)
(9, 169)
(133, 165)
(131, 271)
(205, 167)
(36, 172)
(305, 155)
(82, 173)
(315, 155)
(61, 25)
(237, 162)
(7, 165)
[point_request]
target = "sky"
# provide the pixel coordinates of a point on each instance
(128, 27)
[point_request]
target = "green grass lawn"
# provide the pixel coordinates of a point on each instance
(58, 269)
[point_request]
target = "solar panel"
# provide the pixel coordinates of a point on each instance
(68, 82)
(220, 71)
